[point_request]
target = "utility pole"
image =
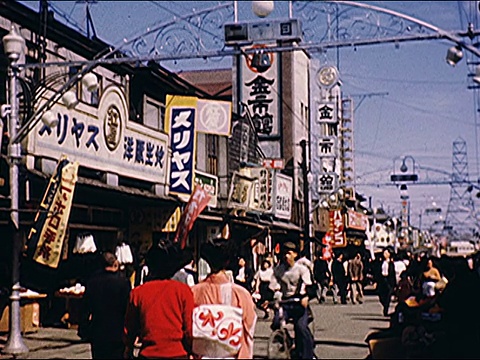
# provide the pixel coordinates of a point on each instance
(306, 197)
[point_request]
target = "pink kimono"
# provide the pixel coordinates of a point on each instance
(209, 292)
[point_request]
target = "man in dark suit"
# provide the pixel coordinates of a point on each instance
(103, 310)
(322, 277)
(340, 280)
(386, 281)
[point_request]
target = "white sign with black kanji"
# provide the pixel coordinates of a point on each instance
(327, 112)
(327, 182)
(327, 146)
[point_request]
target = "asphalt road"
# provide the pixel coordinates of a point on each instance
(340, 332)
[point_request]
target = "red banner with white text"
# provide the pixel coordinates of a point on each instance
(197, 202)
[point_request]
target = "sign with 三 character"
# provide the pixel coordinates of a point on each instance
(283, 196)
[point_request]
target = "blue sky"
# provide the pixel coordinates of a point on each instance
(428, 105)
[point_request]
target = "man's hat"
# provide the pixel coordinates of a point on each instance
(287, 246)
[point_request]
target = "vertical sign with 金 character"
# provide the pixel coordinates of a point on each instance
(180, 120)
(327, 113)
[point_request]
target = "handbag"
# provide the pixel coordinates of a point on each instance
(218, 328)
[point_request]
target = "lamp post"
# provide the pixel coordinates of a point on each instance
(13, 45)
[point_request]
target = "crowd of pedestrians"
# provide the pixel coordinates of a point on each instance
(171, 313)
(436, 311)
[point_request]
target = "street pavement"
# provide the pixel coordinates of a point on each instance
(340, 332)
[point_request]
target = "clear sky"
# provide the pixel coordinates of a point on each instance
(427, 108)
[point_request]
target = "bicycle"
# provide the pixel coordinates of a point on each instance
(281, 343)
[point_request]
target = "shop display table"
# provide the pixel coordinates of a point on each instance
(29, 312)
(73, 302)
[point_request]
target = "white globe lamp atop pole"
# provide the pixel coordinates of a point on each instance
(262, 8)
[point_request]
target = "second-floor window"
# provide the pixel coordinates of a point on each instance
(212, 154)
(154, 114)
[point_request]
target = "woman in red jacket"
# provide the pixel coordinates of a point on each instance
(159, 314)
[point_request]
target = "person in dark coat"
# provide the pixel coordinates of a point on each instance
(104, 305)
(322, 277)
(386, 281)
(340, 279)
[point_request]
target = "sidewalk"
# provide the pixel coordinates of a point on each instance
(51, 343)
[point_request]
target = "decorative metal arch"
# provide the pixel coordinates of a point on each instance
(326, 24)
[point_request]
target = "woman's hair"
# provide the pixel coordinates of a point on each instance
(218, 253)
(165, 259)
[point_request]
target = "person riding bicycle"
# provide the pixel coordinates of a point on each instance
(289, 281)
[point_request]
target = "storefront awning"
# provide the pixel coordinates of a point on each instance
(352, 233)
(285, 226)
(124, 190)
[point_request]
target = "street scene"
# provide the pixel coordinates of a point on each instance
(239, 179)
(340, 333)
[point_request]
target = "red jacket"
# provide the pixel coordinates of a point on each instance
(160, 314)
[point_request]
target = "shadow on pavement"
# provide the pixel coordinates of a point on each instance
(370, 318)
(340, 343)
(379, 315)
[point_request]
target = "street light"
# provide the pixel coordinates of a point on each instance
(13, 45)
(454, 55)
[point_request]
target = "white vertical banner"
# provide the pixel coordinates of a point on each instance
(260, 90)
(283, 196)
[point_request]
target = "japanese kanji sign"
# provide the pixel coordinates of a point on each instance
(260, 91)
(240, 191)
(327, 112)
(104, 140)
(327, 146)
(48, 233)
(327, 182)
(198, 201)
(356, 220)
(180, 120)
(262, 190)
(283, 196)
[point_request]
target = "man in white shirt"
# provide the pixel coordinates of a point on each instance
(290, 280)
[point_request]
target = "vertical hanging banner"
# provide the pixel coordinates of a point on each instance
(337, 229)
(180, 121)
(198, 201)
(48, 233)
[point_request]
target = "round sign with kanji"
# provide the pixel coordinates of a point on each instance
(327, 76)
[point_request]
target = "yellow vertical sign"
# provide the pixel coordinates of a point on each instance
(52, 235)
